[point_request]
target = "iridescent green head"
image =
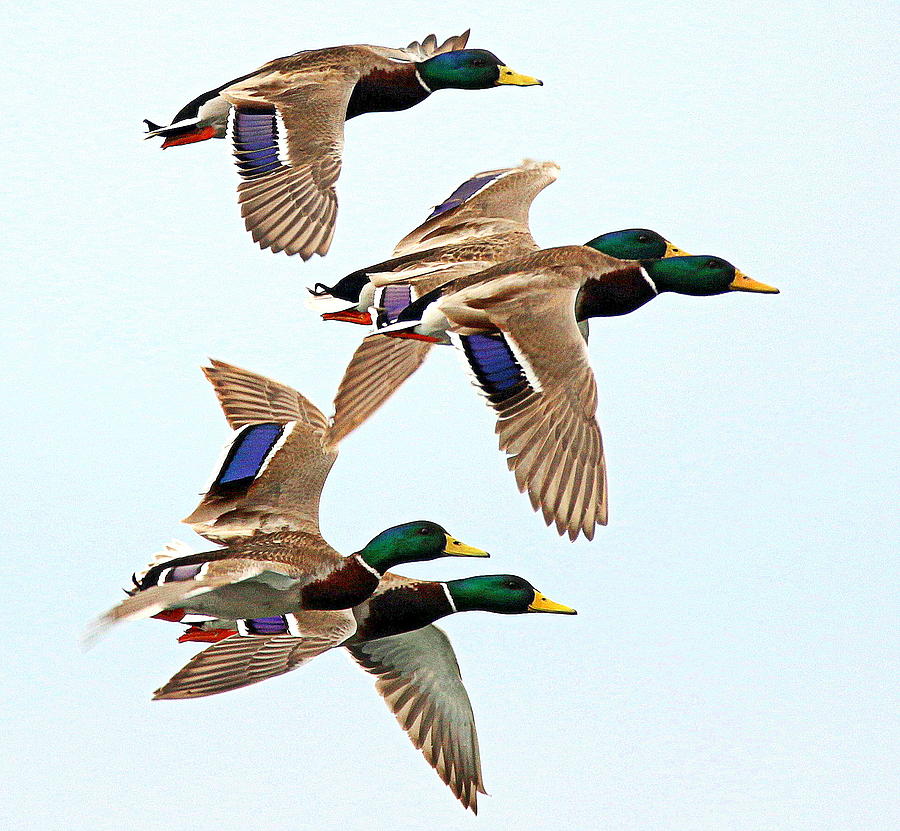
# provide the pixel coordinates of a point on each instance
(413, 542)
(635, 244)
(504, 594)
(470, 69)
(701, 276)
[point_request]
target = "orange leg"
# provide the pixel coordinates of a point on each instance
(195, 633)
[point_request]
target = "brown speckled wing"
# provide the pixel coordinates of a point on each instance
(286, 475)
(418, 676)
(247, 659)
(249, 398)
(289, 204)
(489, 202)
(377, 369)
(547, 427)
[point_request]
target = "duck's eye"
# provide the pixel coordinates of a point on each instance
(712, 264)
(643, 238)
(479, 62)
(424, 531)
(511, 584)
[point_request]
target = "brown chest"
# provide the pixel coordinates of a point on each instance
(346, 586)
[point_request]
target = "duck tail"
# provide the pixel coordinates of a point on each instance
(342, 300)
(321, 300)
(172, 551)
(349, 288)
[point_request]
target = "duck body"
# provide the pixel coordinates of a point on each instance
(395, 640)
(300, 572)
(397, 605)
(412, 275)
(381, 85)
(288, 119)
(521, 326)
(263, 504)
(385, 87)
(609, 287)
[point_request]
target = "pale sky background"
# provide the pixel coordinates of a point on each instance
(734, 663)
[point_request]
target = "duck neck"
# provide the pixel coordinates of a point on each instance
(405, 608)
(349, 584)
(615, 294)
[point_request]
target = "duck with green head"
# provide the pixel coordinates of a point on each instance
(395, 640)
(263, 504)
(521, 327)
(288, 199)
(663, 268)
(482, 223)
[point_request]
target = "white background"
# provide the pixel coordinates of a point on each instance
(734, 662)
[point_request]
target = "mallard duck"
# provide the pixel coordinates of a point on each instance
(487, 212)
(395, 640)
(263, 503)
(521, 328)
(288, 197)
(484, 221)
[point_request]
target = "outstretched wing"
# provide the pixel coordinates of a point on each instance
(375, 372)
(418, 675)
(274, 469)
(535, 373)
(246, 659)
(490, 202)
(288, 200)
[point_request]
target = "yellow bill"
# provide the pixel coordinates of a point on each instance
(545, 604)
(509, 76)
(455, 548)
(742, 282)
(672, 251)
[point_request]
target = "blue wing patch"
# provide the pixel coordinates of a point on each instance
(247, 456)
(394, 299)
(178, 574)
(267, 625)
(464, 192)
(280, 625)
(256, 141)
(495, 367)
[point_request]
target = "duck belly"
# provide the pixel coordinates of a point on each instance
(256, 597)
